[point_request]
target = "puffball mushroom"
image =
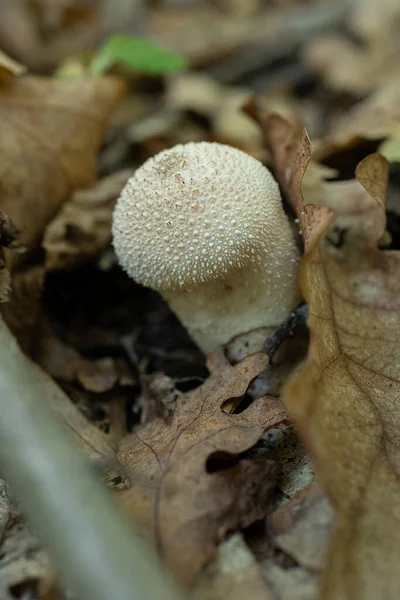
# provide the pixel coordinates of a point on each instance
(203, 224)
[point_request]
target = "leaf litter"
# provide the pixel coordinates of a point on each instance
(206, 462)
(186, 473)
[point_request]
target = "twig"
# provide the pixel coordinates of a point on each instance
(94, 548)
(274, 341)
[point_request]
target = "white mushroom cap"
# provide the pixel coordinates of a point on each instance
(203, 224)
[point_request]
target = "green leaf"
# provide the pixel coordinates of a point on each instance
(137, 54)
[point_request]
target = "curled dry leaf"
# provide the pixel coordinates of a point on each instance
(83, 226)
(51, 132)
(290, 150)
(181, 496)
(345, 397)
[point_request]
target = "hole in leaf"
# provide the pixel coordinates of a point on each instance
(221, 461)
(235, 406)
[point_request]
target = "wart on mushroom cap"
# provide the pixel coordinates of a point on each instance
(203, 224)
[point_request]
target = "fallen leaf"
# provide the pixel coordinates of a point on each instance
(290, 150)
(51, 132)
(235, 574)
(299, 534)
(344, 398)
(375, 118)
(65, 363)
(83, 226)
(189, 487)
(303, 527)
(365, 59)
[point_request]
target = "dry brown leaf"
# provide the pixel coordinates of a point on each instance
(299, 533)
(375, 118)
(64, 362)
(51, 132)
(303, 527)
(235, 574)
(83, 226)
(345, 397)
(290, 150)
(365, 60)
(178, 497)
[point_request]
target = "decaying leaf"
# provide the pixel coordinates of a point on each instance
(235, 574)
(83, 226)
(51, 132)
(64, 362)
(345, 396)
(299, 534)
(188, 485)
(290, 149)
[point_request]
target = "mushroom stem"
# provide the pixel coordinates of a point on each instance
(248, 298)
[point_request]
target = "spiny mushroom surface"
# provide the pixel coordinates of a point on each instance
(203, 224)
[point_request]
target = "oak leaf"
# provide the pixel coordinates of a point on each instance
(179, 498)
(345, 397)
(290, 150)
